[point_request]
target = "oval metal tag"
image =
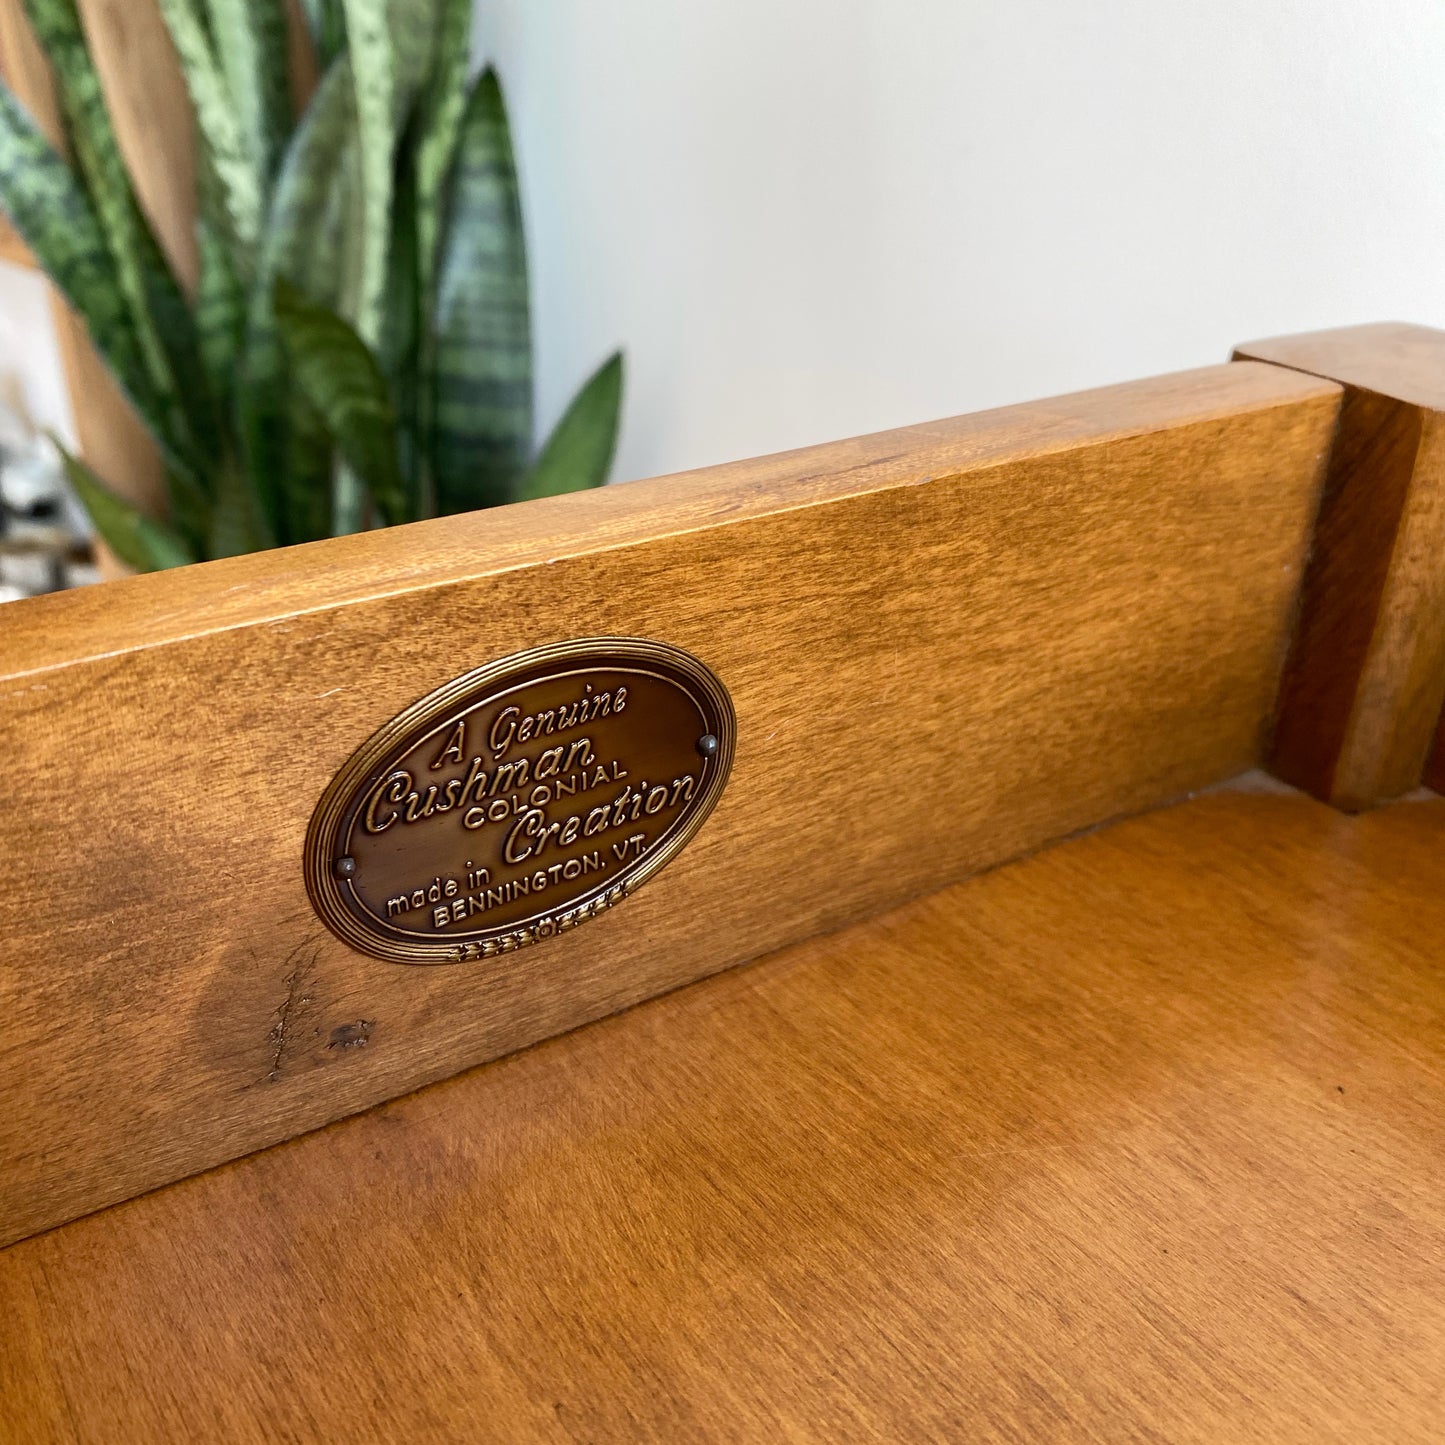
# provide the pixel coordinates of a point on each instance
(519, 800)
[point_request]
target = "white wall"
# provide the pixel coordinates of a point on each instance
(811, 218)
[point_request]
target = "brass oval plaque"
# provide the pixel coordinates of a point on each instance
(520, 800)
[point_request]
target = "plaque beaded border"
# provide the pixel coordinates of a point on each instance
(677, 667)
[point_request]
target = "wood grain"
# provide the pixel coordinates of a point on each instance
(1137, 1139)
(945, 645)
(1366, 677)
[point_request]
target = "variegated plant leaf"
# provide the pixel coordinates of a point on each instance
(391, 44)
(239, 523)
(483, 337)
(220, 312)
(438, 126)
(159, 316)
(342, 380)
(327, 23)
(399, 352)
(373, 66)
(250, 42)
(55, 217)
(282, 448)
(239, 177)
(443, 104)
(138, 540)
(579, 452)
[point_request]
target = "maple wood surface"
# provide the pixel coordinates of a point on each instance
(1365, 681)
(1258, 420)
(1393, 358)
(945, 645)
(1140, 1138)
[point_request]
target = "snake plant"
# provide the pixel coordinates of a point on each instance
(357, 350)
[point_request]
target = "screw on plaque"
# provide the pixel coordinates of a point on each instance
(707, 745)
(346, 867)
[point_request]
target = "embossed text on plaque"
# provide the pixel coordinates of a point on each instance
(520, 800)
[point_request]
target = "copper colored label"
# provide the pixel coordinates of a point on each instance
(519, 801)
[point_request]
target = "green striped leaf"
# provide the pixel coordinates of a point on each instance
(348, 492)
(56, 219)
(391, 45)
(370, 48)
(239, 177)
(138, 540)
(444, 103)
(210, 201)
(158, 313)
(483, 333)
(399, 352)
(438, 128)
(414, 26)
(310, 469)
(341, 379)
(249, 39)
(239, 523)
(308, 211)
(579, 452)
(305, 231)
(220, 311)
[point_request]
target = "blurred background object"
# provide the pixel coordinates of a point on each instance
(321, 317)
(44, 535)
(68, 389)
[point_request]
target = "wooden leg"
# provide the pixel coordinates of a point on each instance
(1365, 680)
(1435, 768)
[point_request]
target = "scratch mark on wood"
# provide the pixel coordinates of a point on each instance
(296, 998)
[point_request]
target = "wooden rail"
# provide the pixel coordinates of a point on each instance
(946, 645)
